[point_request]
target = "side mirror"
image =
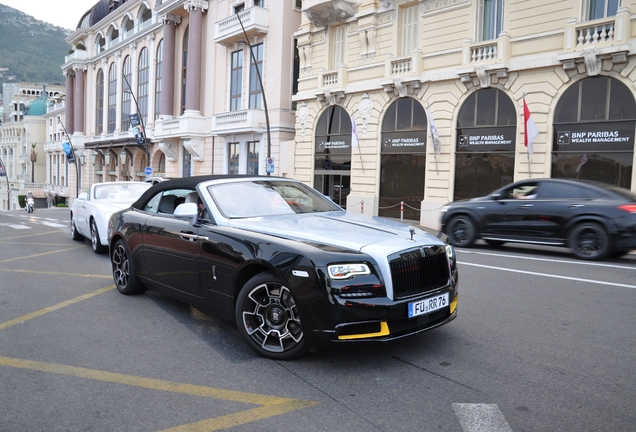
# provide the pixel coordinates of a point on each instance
(82, 196)
(496, 196)
(186, 211)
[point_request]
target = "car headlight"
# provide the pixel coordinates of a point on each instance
(450, 251)
(445, 208)
(344, 271)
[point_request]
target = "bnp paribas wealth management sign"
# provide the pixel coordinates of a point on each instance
(468, 140)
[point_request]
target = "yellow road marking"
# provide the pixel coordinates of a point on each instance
(46, 310)
(31, 235)
(270, 405)
(40, 254)
(86, 275)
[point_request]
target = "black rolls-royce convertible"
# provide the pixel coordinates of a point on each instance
(294, 270)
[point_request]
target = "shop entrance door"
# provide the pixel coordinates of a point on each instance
(335, 186)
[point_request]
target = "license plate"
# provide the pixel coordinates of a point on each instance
(428, 305)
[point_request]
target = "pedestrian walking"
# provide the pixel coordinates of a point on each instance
(48, 201)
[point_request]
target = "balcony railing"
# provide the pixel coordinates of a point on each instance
(600, 33)
(487, 52)
(239, 121)
(255, 20)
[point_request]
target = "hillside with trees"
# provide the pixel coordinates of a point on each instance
(30, 50)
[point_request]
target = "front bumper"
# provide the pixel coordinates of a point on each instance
(381, 323)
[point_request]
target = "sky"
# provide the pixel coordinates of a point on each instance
(62, 13)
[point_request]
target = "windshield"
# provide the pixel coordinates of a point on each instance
(120, 191)
(268, 198)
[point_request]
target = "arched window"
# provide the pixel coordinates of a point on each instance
(594, 126)
(145, 16)
(99, 103)
(128, 26)
(142, 85)
(100, 44)
(486, 138)
(158, 73)
(125, 94)
(184, 67)
(332, 162)
(403, 162)
(112, 98)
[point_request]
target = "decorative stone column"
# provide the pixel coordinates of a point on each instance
(195, 8)
(78, 106)
(170, 22)
(69, 106)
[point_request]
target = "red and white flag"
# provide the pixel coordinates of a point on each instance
(530, 130)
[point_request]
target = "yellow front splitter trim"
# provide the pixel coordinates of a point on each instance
(384, 330)
(453, 304)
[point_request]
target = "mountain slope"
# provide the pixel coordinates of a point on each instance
(31, 50)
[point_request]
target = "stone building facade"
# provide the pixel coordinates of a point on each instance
(398, 67)
(185, 67)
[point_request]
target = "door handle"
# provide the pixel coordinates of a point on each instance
(525, 206)
(192, 237)
(576, 205)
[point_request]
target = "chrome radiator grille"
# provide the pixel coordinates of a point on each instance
(418, 271)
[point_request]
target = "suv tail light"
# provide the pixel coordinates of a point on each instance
(631, 208)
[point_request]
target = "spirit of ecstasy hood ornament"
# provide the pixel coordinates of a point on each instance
(412, 231)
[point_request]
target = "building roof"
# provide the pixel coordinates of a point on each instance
(98, 12)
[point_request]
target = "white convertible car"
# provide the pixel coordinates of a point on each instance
(91, 210)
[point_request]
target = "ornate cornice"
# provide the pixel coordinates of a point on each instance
(191, 5)
(170, 19)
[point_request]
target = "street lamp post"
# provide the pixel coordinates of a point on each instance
(71, 152)
(260, 81)
(3, 173)
(142, 132)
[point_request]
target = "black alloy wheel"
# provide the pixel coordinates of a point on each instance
(74, 234)
(97, 245)
(267, 318)
(462, 231)
(124, 272)
(589, 241)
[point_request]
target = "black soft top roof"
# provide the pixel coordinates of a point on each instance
(190, 183)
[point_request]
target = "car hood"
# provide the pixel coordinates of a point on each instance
(342, 229)
(112, 206)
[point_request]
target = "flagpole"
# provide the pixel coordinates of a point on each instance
(431, 126)
(525, 136)
(354, 139)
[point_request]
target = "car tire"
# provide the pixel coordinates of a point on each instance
(589, 241)
(124, 272)
(97, 245)
(495, 243)
(267, 318)
(462, 231)
(74, 234)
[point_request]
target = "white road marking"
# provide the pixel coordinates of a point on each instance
(53, 224)
(15, 226)
(523, 257)
(550, 275)
(481, 418)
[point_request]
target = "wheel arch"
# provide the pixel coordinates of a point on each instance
(465, 212)
(247, 273)
(605, 223)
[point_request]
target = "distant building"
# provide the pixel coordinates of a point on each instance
(22, 140)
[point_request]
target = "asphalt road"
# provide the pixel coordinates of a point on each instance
(542, 342)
